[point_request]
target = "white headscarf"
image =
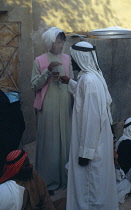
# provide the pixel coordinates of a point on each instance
(11, 196)
(127, 130)
(49, 37)
(87, 64)
(126, 133)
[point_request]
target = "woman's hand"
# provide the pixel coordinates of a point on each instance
(64, 79)
(53, 64)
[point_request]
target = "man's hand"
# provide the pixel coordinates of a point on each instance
(64, 79)
(53, 64)
(115, 157)
(83, 161)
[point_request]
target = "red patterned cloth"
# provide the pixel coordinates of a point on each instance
(14, 162)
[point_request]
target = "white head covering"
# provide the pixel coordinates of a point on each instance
(84, 59)
(127, 129)
(11, 196)
(49, 37)
(87, 61)
(126, 132)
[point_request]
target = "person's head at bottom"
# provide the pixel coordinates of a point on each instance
(17, 166)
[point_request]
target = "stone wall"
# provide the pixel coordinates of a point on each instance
(115, 62)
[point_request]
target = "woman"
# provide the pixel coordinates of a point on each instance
(54, 104)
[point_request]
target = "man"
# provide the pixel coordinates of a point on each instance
(19, 169)
(123, 161)
(91, 174)
(53, 102)
(123, 147)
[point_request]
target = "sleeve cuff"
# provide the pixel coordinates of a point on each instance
(49, 72)
(72, 85)
(85, 152)
(46, 73)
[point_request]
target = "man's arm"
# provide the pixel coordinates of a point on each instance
(90, 124)
(70, 82)
(45, 200)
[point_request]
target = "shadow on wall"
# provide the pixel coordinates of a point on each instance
(70, 15)
(75, 15)
(14, 3)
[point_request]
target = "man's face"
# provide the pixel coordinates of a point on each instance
(74, 65)
(57, 47)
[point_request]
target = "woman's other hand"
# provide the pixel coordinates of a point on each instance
(53, 64)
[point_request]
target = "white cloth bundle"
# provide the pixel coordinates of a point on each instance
(11, 196)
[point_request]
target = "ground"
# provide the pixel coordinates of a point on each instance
(62, 192)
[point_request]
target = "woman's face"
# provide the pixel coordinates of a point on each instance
(57, 46)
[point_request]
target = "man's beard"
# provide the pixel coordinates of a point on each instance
(25, 175)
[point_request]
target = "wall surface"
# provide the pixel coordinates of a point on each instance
(114, 59)
(36, 16)
(21, 11)
(82, 15)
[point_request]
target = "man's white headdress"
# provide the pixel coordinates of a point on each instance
(84, 55)
(126, 132)
(127, 128)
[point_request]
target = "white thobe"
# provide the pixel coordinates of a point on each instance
(92, 187)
